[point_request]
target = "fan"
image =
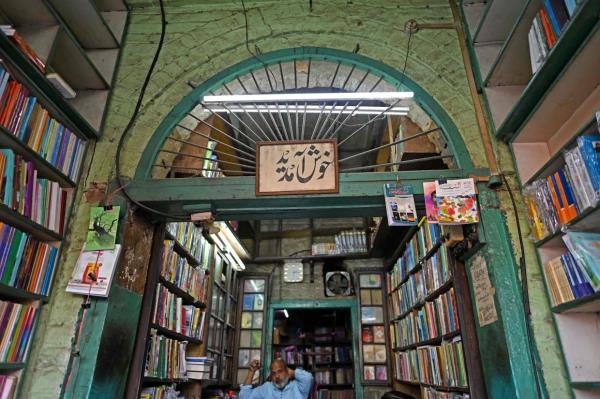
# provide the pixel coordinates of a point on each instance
(337, 284)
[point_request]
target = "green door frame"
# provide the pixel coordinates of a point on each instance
(317, 304)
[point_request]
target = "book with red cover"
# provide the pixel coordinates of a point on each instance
(20, 42)
(367, 335)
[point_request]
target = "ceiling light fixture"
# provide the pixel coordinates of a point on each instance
(315, 109)
(293, 97)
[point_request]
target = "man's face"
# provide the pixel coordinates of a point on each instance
(279, 375)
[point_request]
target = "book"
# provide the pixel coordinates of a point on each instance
(23, 46)
(367, 335)
(378, 334)
(369, 373)
(456, 201)
(102, 229)
(585, 248)
(93, 272)
(429, 195)
(400, 205)
(63, 87)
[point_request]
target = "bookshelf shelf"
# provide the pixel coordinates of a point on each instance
(86, 22)
(175, 335)
(45, 169)
(586, 385)
(181, 250)
(433, 341)
(587, 220)
(589, 303)
(335, 386)
(19, 294)
(273, 259)
(473, 12)
(155, 380)
(513, 69)
(438, 387)
(27, 225)
(187, 298)
(37, 83)
(12, 366)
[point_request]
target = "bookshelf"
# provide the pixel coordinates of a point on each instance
(173, 318)
(43, 142)
(319, 342)
(543, 106)
(425, 326)
(80, 41)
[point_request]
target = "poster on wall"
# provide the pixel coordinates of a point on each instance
(456, 202)
(102, 230)
(400, 205)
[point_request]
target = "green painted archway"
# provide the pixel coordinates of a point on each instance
(389, 74)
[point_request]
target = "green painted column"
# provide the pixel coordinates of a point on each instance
(504, 345)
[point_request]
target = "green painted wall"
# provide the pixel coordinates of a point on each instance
(202, 39)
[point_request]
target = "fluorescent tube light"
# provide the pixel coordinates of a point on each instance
(280, 97)
(286, 314)
(315, 109)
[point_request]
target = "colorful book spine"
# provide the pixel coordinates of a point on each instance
(176, 269)
(166, 357)
(589, 146)
(160, 392)
(441, 365)
(172, 314)
(25, 262)
(410, 294)
(567, 279)
(16, 322)
(41, 200)
(8, 386)
(24, 117)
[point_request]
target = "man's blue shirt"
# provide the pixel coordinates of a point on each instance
(298, 388)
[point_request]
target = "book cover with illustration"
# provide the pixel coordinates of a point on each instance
(400, 205)
(93, 272)
(456, 201)
(430, 202)
(102, 230)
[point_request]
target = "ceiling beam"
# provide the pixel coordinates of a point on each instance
(234, 198)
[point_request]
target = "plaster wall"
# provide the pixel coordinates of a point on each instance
(204, 38)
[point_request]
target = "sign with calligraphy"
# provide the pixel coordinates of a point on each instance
(297, 167)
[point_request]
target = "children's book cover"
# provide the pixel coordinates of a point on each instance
(400, 205)
(430, 202)
(456, 202)
(102, 230)
(94, 272)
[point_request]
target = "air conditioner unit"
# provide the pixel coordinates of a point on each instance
(338, 284)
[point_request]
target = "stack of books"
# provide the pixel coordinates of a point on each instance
(576, 273)
(16, 322)
(199, 368)
(166, 358)
(25, 262)
(345, 242)
(555, 200)
(432, 393)
(547, 26)
(210, 166)
(160, 392)
(24, 117)
(8, 386)
(40, 200)
(441, 365)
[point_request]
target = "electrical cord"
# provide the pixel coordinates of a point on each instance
(524, 286)
(121, 185)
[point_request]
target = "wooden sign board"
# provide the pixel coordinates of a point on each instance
(297, 167)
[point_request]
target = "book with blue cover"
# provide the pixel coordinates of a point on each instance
(585, 248)
(589, 146)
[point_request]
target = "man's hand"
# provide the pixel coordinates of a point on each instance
(291, 373)
(253, 367)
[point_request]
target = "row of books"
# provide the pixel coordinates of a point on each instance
(338, 354)
(329, 334)
(189, 236)
(175, 269)
(337, 376)
(16, 322)
(160, 392)
(410, 294)
(441, 365)
(170, 313)
(166, 357)
(432, 393)
(375, 373)
(8, 386)
(293, 356)
(335, 394)
(576, 273)
(210, 166)
(345, 242)
(436, 318)
(40, 200)
(557, 199)
(25, 262)
(437, 270)
(546, 28)
(23, 116)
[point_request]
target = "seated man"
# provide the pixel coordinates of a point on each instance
(284, 383)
